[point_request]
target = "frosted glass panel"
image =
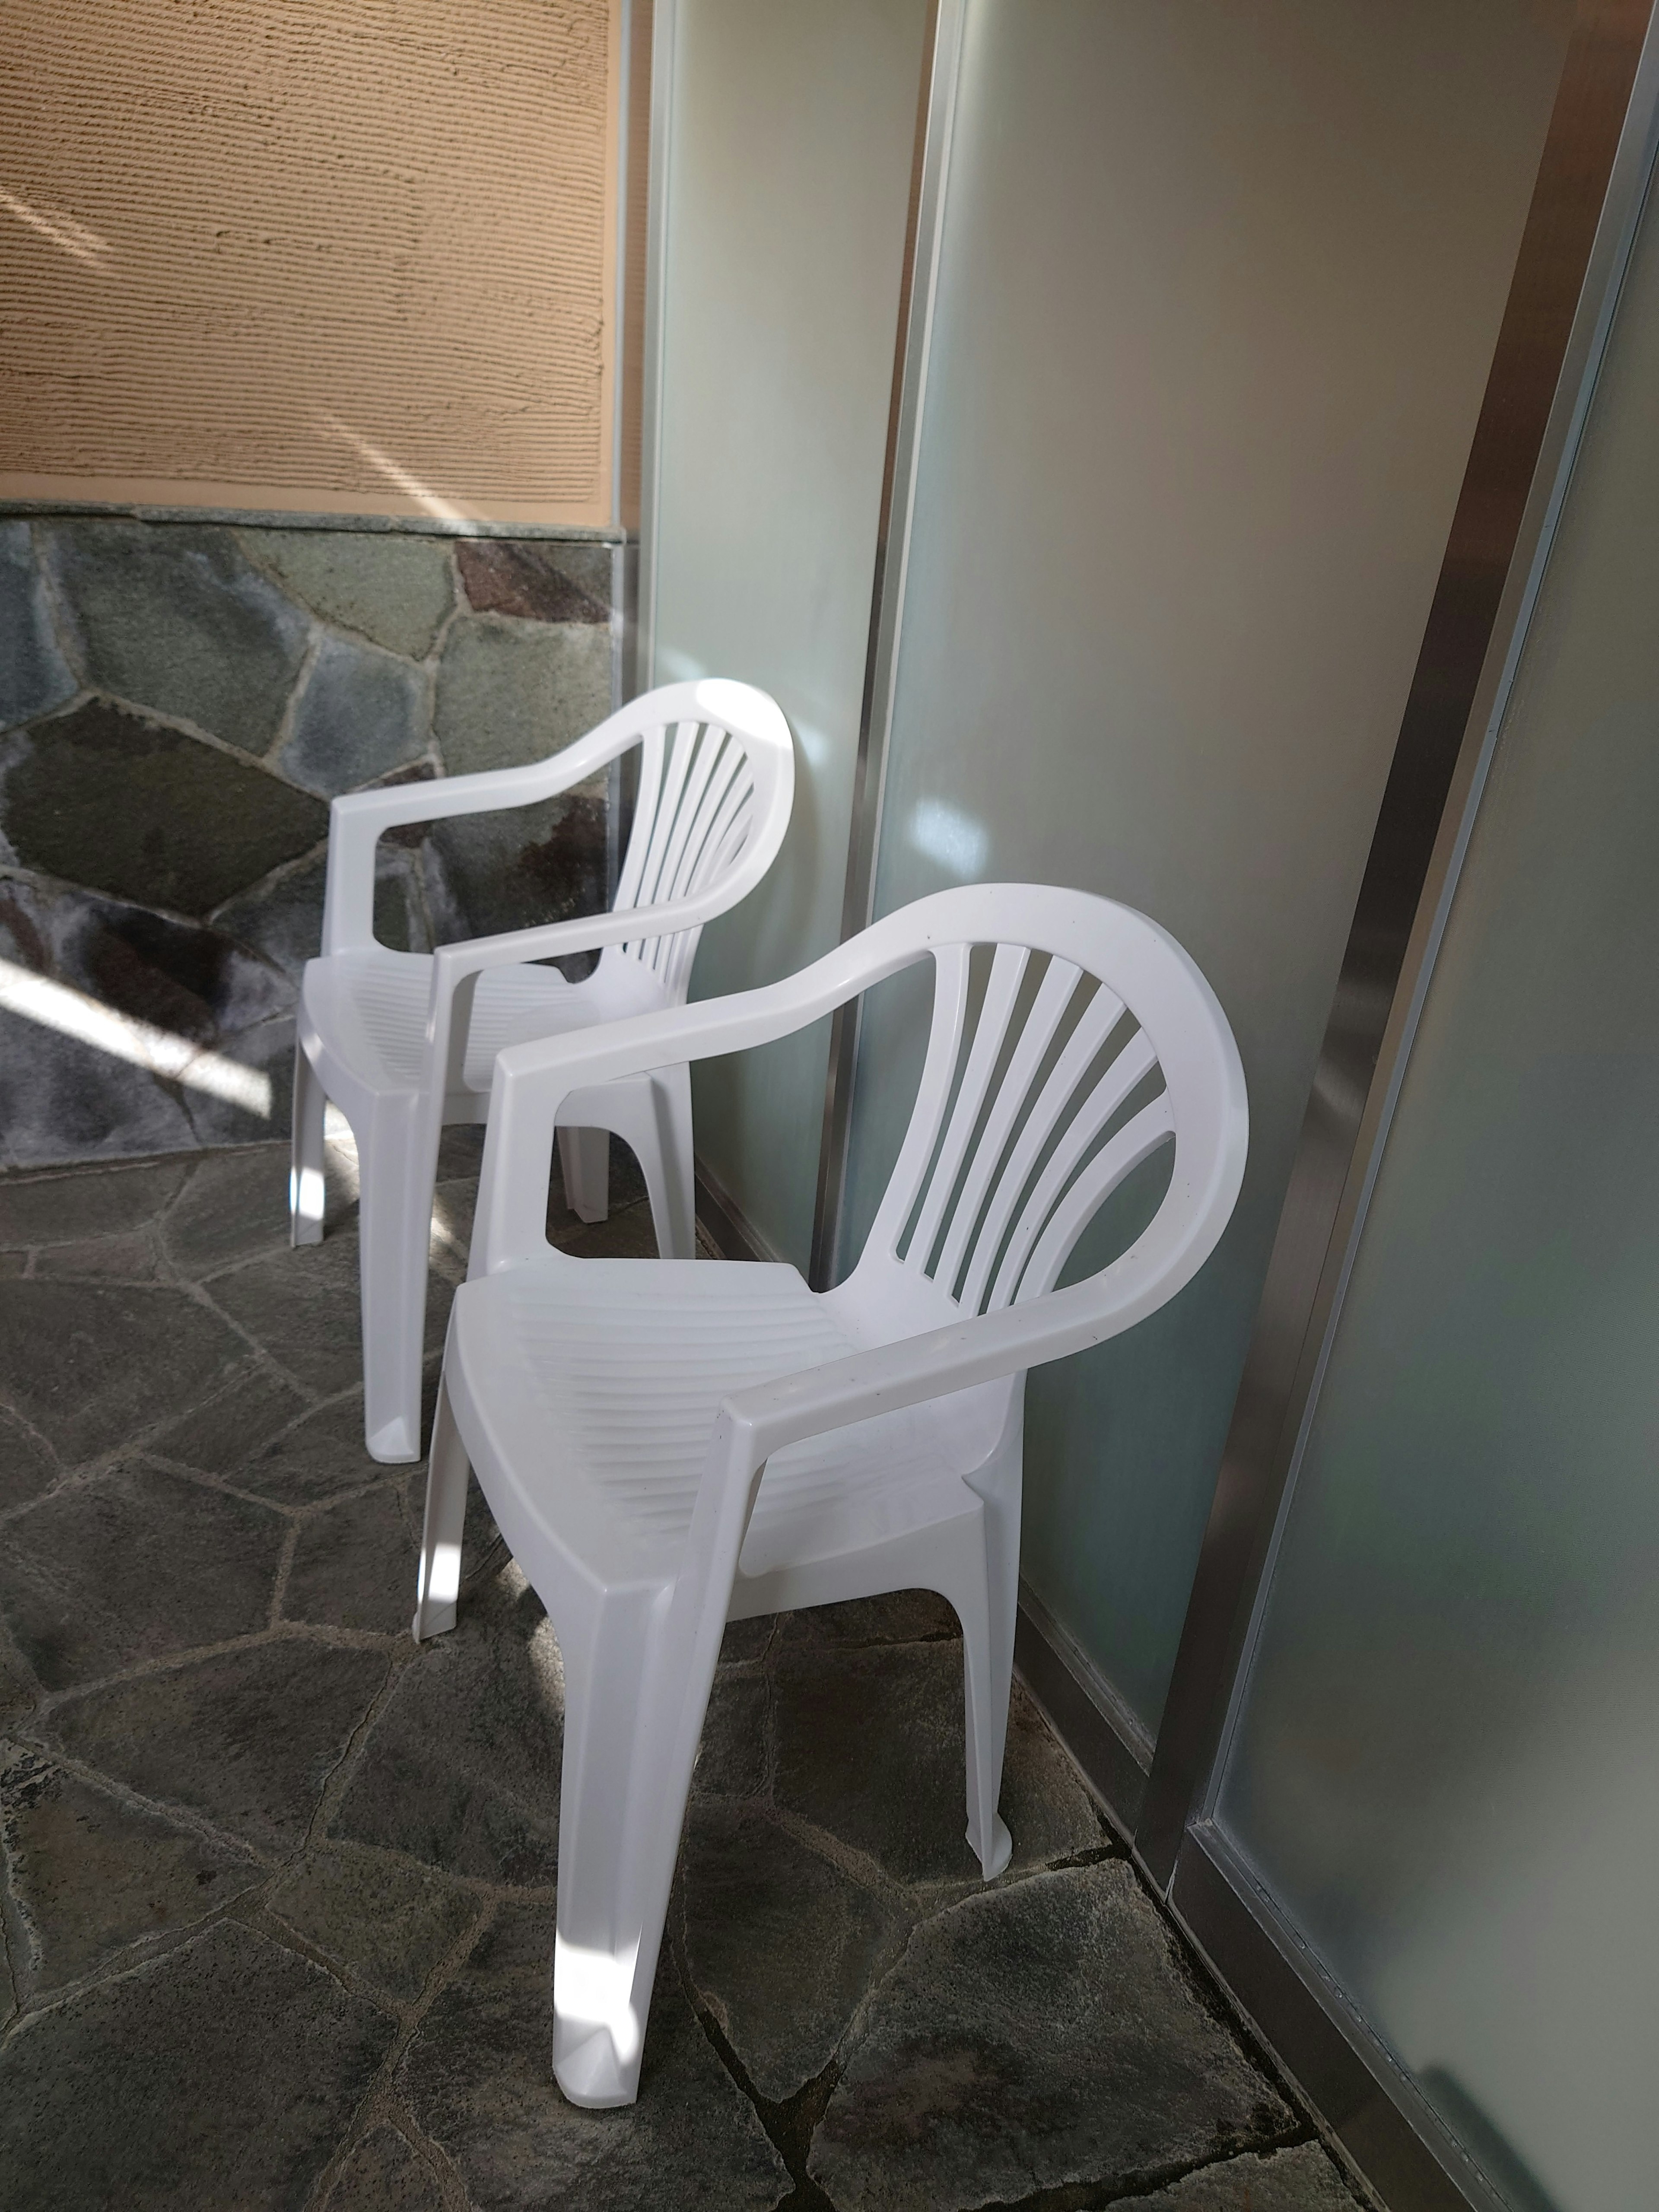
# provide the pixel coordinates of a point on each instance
(1448, 1765)
(1218, 298)
(792, 131)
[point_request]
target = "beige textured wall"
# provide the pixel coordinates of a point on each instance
(345, 255)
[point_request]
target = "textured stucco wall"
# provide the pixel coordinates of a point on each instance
(348, 256)
(177, 704)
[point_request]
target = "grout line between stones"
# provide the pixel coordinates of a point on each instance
(186, 1817)
(285, 1567)
(1151, 2181)
(378, 2100)
(295, 690)
(790, 2125)
(271, 877)
(65, 630)
(283, 1631)
(337, 1780)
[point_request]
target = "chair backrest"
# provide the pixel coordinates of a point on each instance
(1093, 1044)
(713, 783)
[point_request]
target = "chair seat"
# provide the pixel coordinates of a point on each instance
(369, 1010)
(598, 1390)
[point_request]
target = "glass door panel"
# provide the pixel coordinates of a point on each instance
(1217, 296)
(1447, 1768)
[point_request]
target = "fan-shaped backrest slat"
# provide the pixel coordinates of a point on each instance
(716, 791)
(1136, 1141)
(1073, 1045)
(1094, 1025)
(1007, 971)
(651, 747)
(716, 794)
(1053, 998)
(1132, 1066)
(1013, 1122)
(693, 817)
(722, 849)
(704, 752)
(951, 976)
(660, 825)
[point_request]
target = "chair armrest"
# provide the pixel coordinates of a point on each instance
(979, 1348)
(456, 969)
(531, 1080)
(357, 821)
(754, 1424)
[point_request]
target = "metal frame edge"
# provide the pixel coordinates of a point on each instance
(1367, 1038)
(664, 26)
(935, 119)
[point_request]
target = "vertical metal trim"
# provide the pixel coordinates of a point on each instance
(626, 12)
(665, 31)
(1591, 180)
(923, 226)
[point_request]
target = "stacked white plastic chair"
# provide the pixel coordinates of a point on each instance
(667, 1446)
(405, 1042)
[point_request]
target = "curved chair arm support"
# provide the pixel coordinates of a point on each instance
(456, 967)
(530, 1079)
(978, 1348)
(357, 821)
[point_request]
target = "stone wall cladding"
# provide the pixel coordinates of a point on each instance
(178, 703)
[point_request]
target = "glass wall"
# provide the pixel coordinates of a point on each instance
(790, 139)
(1448, 1767)
(1217, 297)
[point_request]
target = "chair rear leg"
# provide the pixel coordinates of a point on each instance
(395, 1229)
(440, 1578)
(585, 1163)
(669, 1167)
(983, 1579)
(987, 1668)
(305, 1177)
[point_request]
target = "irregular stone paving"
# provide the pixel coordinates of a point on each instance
(279, 1885)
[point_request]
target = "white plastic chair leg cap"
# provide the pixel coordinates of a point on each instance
(591, 2073)
(392, 1444)
(1001, 1851)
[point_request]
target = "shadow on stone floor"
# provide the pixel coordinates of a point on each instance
(279, 1885)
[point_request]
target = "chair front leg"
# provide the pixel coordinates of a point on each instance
(439, 1583)
(619, 1832)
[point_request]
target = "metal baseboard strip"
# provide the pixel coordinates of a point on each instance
(1382, 2120)
(1110, 1749)
(732, 1234)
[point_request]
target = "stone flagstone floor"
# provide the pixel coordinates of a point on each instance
(279, 1885)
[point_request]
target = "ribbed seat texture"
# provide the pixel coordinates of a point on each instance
(389, 992)
(625, 1369)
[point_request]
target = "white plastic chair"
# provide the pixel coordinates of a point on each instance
(404, 1042)
(669, 1446)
